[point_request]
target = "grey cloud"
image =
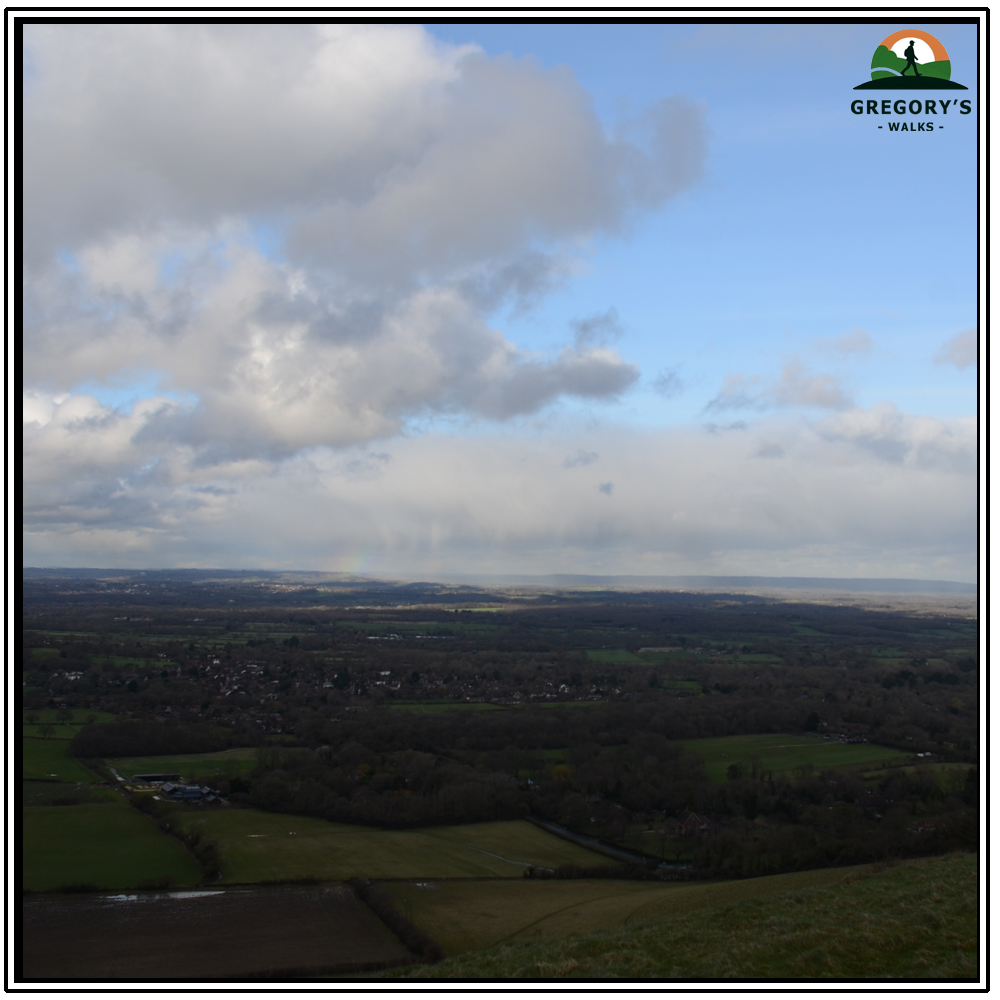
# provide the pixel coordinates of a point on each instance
(597, 330)
(530, 385)
(660, 166)
(962, 350)
(606, 488)
(580, 458)
(668, 383)
(794, 387)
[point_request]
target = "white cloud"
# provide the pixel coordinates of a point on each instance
(962, 350)
(405, 188)
(907, 439)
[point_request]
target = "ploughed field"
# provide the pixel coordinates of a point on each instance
(263, 933)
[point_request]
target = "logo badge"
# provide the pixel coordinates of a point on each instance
(910, 60)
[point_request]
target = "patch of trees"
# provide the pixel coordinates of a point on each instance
(356, 785)
(777, 824)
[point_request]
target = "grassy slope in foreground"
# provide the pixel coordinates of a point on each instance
(468, 916)
(917, 920)
(257, 846)
(110, 845)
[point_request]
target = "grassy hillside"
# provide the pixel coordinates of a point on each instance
(915, 920)
(468, 916)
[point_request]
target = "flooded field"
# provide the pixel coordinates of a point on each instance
(232, 934)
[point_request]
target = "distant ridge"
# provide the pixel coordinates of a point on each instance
(569, 581)
(852, 584)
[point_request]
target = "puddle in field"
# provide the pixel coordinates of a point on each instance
(221, 934)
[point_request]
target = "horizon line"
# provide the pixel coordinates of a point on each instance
(879, 584)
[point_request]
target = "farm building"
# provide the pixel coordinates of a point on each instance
(188, 793)
(691, 825)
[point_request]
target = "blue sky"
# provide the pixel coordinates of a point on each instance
(788, 239)
(496, 298)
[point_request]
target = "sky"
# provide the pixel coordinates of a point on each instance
(412, 301)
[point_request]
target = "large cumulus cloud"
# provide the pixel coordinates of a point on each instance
(303, 229)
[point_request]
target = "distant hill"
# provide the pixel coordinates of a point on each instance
(565, 581)
(851, 584)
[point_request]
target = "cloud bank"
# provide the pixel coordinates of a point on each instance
(864, 492)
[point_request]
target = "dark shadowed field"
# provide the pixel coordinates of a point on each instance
(263, 933)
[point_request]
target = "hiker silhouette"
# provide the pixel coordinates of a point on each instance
(911, 59)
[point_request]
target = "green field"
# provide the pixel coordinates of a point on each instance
(257, 846)
(52, 759)
(468, 916)
(111, 846)
(917, 920)
(615, 656)
(651, 658)
(672, 684)
(78, 718)
(443, 706)
(239, 760)
(58, 732)
(778, 752)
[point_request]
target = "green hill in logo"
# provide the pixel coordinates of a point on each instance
(910, 60)
(886, 65)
